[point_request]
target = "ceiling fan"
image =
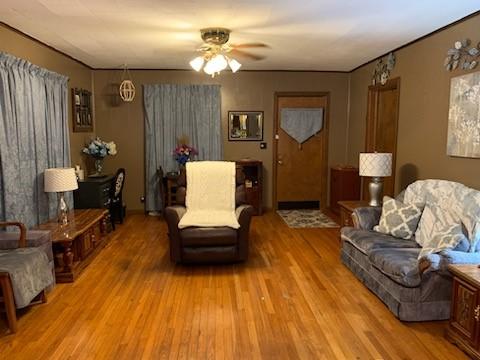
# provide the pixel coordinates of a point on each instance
(217, 52)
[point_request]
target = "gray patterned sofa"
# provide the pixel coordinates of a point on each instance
(413, 288)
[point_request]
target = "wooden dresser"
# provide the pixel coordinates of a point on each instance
(93, 192)
(344, 185)
(464, 326)
(253, 170)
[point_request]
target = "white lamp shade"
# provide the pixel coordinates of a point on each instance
(375, 164)
(197, 63)
(234, 65)
(60, 180)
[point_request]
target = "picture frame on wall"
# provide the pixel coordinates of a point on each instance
(463, 138)
(82, 115)
(245, 126)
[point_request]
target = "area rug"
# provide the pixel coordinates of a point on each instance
(306, 219)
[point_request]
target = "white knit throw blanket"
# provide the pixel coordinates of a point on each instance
(210, 199)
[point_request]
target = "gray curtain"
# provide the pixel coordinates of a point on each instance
(172, 111)
(33, 136)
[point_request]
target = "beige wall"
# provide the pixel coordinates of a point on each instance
(80, 76)
(422, 131)
(124, 122)
(423, 117)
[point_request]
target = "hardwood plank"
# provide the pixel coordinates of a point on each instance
(292, 299)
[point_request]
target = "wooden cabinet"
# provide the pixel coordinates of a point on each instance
(93, 193)
(253, 170)
(344, 185)
(171, 180)
(464, 326)
(346, 210)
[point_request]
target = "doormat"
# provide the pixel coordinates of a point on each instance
(306, 219)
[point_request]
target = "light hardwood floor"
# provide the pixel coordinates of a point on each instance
(293, 299)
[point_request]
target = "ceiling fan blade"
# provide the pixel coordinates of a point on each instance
(250, 45)
(242, 53)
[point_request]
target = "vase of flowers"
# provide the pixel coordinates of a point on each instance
(184, 153)
(98, 150)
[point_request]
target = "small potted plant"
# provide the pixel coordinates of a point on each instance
(98, 150)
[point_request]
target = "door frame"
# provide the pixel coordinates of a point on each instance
(326, 122)
(370, 126)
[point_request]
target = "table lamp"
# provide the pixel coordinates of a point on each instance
(376, 166)
(60, 180)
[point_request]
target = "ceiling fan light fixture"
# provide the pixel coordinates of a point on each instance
(215, 65)
(234, 65)
(197, 63)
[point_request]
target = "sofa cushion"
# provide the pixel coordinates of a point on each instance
(208, 236)
(400, 265)
(399, 219)
(367, 240)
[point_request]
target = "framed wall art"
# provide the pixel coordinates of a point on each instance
(245, 125)
(82, 115)
(464, 116)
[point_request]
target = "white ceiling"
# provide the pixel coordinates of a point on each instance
(302, 34)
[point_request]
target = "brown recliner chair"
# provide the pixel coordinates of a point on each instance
(209, 244)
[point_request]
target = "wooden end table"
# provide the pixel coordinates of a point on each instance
(464, 325)
(346, 210)
(76, 244)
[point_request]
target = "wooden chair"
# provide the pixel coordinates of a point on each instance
(117, 211)
(6, 285)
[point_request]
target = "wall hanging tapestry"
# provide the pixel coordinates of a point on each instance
(464, 116)
(301, 123)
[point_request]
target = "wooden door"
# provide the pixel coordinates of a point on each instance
(300, 171)
(382, 124)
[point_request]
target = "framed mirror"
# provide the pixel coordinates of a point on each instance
(245, 125)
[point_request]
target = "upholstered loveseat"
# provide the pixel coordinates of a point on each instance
(414, 288)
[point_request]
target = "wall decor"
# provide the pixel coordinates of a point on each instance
(127, 89)
(382, 70)
(245, 125)
(464, 116)
(463, 56)
(82, 110)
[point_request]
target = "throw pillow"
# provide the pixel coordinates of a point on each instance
(399, 219)
(445, 236)
(437, 221)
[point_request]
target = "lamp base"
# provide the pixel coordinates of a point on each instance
(375, 188)
(62, 209)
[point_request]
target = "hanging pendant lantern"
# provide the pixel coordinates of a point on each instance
(127, 89)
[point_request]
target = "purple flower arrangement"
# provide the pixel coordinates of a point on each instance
(184, 153)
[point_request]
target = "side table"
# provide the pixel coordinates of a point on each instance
(172, 188)
(346, 210)
(464, 325)
(76, 244)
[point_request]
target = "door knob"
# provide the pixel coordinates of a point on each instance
(280, 162)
